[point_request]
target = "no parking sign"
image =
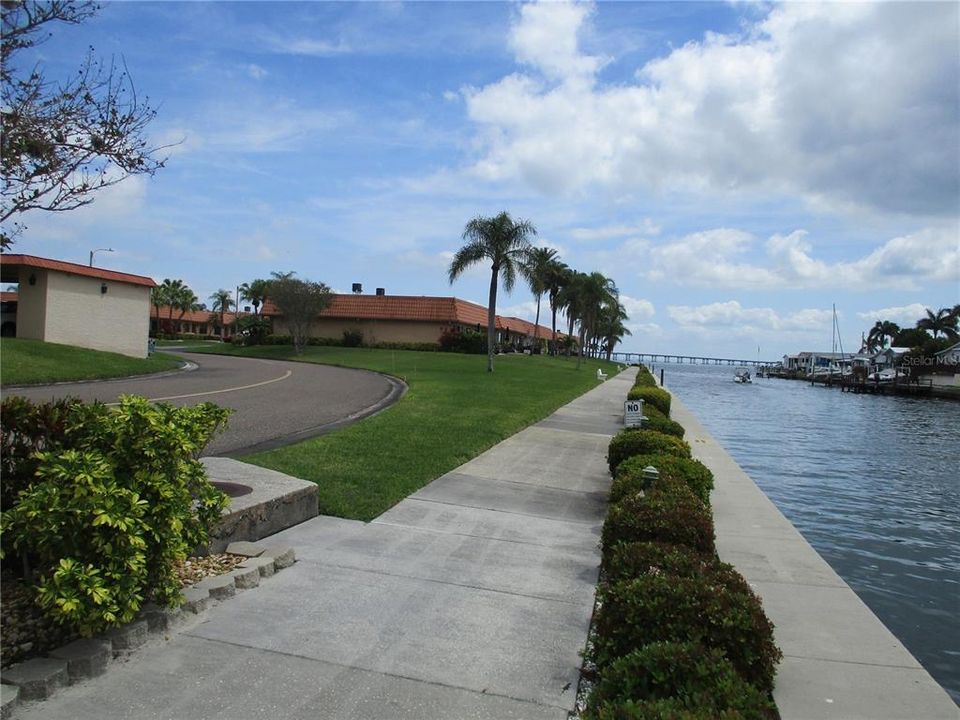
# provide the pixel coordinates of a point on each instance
(632, 413)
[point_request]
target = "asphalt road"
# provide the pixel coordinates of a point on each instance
(274, 402)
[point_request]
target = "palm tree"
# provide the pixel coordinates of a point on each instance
(596, 292)
(505, 244)
(610, 327)
(557, 276)
(536, 267)
(880, 332)
(568, 299)
(944, 321)
(186, 301)
(256, 292)
(222, 302)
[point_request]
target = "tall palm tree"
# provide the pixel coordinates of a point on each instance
(610, 326)
(596, 292)
(222, 302)
(505, 243)
(569, 300)
(186, 301)
(536, 267)
(557, 276)
(943, 321)
(166, 294)
(880, 333)
(256, 292)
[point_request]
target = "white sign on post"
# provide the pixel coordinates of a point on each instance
(632, 413)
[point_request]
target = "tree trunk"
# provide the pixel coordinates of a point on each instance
(583, 338)
(536, 327)
(569, 332)
(492, 315)
(553, 327)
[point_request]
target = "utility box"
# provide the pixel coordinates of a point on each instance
(632, 413)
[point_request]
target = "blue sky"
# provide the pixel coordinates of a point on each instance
(735, 168)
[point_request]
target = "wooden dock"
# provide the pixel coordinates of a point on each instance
(864, 386)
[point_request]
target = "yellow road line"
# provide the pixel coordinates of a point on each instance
(287, 374)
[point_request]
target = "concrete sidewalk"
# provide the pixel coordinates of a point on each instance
(470, 599)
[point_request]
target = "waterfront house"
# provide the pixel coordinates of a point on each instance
(383, 318)
(890, 357)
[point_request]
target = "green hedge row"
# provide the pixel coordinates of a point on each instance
(628, 478)
(677, 633)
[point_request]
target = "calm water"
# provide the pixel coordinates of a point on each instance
(873, 483)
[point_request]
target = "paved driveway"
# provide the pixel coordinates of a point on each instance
(274, 402)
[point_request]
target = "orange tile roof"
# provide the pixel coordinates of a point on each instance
(417, 308)
(198, 316)
(74, 269)
(8, 296)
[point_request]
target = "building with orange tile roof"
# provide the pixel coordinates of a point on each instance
(72, 304)
(385, 318)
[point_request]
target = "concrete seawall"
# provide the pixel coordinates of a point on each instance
(840, 661)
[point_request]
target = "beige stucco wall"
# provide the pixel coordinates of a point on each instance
(374, 331)
(32, 304)
(78, 313)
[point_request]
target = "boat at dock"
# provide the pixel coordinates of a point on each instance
(743, 377)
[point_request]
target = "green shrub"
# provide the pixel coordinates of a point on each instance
(628, 561)
(110, 512)
(629, 442)
(352, 338)
(671, 709)
(670, 514)
(644, 378)
(700, 678)
(658, 397)
(664, 425)
(663, 608)
(629, 476)
(26, 429)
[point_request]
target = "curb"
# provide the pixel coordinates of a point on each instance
(39, 678)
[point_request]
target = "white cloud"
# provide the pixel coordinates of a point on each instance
(607, 232)
(848, 105)
(731, 314)
(255, 71)
(637, 310)
(714, 258)
(905, 316)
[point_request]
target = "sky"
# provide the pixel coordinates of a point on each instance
(736, 168)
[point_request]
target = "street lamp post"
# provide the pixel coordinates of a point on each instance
(96, 251)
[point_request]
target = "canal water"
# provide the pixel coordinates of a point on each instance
(872, 482)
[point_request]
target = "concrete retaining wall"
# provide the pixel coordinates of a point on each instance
(840, 662)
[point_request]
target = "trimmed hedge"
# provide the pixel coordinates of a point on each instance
(644, 378)
(701, 679)
(630, 442)
(658, 397)
(628, 561)
(670, 514)
(658, 608)
(629, 477)
(671, 709)
(664, 425)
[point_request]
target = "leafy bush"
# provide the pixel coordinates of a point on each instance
(658, 397)
(671, 709)
(701, 679)
(629, 476)
(664, 425)
(644, 378)
(628, 561)
(652, 411)
(669, 514)
(661, 608)
(26, 429)
(416, 346)
(352, 338)
(631, 441)
(109, 512)
(464, 341)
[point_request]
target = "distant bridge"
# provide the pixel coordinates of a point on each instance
(685, 359)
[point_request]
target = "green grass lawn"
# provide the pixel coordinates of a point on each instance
(453, 411)
(32, 362)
